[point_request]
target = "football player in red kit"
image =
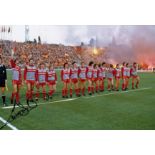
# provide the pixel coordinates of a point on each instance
(65, 77)
(127, 71)
(41, 80)
(82, 78)
(30, 77)
(110, 76)
(104, 69)
(117, 73)
(89, 75)
(134, 75)
(51, 79)
(95, 78)
(74, 79)
(123, 76)
(16, 80)
(100, 78)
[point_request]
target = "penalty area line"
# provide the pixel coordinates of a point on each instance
(8, 124)
(87, 97)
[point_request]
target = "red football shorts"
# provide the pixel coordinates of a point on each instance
(42, 84)
(110, 79)
(100, 78)
(133, 76)
(90, 79)
(16, 82)
(95, 79)
(127, 77)
(118, 77)
(51, 83)
(74, 81)
(31, 82)
(82, 80)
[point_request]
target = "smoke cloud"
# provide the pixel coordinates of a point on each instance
(124, 43)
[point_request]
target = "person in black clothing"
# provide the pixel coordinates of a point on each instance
(3, 79)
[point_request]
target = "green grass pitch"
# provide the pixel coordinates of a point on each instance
(134, 109)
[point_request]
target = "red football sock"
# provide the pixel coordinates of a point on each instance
(27, 95)
(51, 92)
(89, 89)
(17, 97)
(44, 94)
(63, 94)
(37, 94)
(123, 86)
(31, 95)
(12, 96)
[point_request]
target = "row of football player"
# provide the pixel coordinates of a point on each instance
(74, 77)
(95, 75)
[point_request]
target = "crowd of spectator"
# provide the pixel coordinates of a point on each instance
(58, 54)
(55, 53)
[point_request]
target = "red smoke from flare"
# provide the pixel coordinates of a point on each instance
(144, 52)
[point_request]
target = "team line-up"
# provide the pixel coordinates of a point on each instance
(73, 77)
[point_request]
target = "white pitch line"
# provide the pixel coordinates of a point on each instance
(66, 100)
(8, 124)
(120, 92)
